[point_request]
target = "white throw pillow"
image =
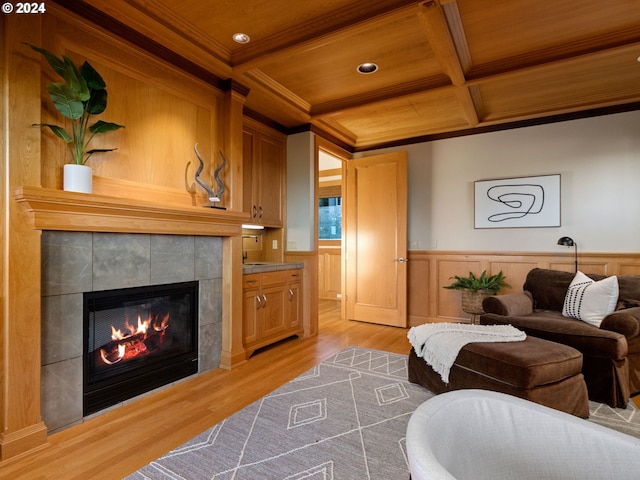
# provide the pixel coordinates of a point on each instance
(590, 301)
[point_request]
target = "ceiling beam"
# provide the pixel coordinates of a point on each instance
(268, 84)
(440, 38)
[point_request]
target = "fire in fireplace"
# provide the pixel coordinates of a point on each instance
(138, 339)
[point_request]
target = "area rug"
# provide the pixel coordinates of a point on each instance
(344, 419)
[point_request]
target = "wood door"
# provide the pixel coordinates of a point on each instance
(376, 239)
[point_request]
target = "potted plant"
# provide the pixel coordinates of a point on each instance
(476, 288)
(82, 95)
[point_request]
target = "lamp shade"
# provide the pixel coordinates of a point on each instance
(566, 241)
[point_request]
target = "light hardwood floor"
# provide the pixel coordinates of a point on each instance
(119, 442)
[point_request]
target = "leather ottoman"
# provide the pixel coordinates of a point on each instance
(538, 370)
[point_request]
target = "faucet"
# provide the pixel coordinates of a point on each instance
(245, 254)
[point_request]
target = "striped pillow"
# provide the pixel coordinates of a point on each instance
(590, 301)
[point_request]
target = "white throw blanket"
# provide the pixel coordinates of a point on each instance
(440, 343)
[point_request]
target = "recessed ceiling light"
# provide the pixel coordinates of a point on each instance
(241, 38)
(366, 68)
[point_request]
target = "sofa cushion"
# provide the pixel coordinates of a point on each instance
(629, 291)
(530, 363)
(548, 288)
(590, 301)
(553, 326)
(519, 303)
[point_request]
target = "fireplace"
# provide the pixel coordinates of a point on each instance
(137, 339)
(79, 263)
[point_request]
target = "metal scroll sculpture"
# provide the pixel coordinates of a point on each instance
(214, 196)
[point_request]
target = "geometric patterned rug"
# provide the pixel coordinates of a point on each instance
(344, 419)
(625, 420)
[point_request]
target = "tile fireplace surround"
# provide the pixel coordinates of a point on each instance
(76, 262)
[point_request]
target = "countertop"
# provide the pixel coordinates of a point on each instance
(259, 267)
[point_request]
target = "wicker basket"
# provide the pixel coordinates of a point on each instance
(472, 301)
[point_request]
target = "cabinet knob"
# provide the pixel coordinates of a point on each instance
(259, 302)
(290, 295)
(264, 297)
(401, 260)
(255, 211)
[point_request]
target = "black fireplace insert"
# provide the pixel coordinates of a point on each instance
(138, 339)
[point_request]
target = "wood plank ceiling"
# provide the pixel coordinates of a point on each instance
(445, 66)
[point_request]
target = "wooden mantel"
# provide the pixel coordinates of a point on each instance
(52, 209)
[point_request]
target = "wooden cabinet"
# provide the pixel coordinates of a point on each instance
(263, 155)
(272, 307)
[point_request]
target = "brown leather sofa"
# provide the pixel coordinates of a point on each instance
(611, 353)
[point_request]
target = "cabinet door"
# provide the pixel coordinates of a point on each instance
(294, 305)
(251, 314)
(270, 180)
(263, 168)
(273, 310)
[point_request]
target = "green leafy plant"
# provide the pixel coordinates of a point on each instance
(82, 95)
(491, 283)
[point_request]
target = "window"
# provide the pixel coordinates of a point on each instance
(330, 218)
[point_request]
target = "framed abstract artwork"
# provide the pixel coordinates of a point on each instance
(518, 202)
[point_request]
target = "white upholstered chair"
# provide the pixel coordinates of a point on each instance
(478, 435)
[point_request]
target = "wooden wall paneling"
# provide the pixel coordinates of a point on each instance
(419, 296)
(21, 426)
(329, 273)
(628, 267)
(448, 301)
(164, 111)
(334, 279)
(269, 236)
(431, 270)
(515, 273)
(565, 266)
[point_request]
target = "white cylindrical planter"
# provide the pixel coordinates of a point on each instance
(77, 178)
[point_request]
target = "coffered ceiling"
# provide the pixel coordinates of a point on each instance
(445, 66)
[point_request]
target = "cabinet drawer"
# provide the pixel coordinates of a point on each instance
(250, 281)
(273, 278)
(294, 275)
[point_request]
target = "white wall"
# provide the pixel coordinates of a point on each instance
(599, 163)
(301, 206)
